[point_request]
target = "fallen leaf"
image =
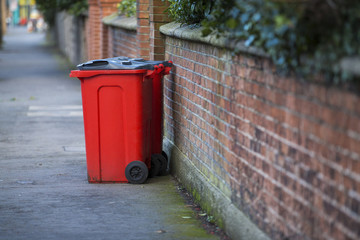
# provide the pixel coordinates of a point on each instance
(186, 217)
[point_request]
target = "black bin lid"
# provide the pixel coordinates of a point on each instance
(121, 63)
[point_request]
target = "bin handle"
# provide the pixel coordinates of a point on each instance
(161, 69)
(152, 73)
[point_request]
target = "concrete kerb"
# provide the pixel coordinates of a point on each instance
(236, 224)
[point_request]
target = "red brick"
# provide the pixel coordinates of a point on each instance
(143, 29)
(159, 18)
(141, 14)
(143, 7)
(159, 3)
(143, 22)
(158, 9)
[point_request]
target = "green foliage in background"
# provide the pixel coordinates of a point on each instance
(189, 11)
(127, 8)
(304, 36)
(74, 7)
(50, 7)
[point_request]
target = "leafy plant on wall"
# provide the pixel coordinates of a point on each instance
(302, 36)
(127, 8)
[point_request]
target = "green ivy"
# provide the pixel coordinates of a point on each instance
(127, 8)
(189, 11)
(306, 36)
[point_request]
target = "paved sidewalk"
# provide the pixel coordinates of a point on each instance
(44, 193)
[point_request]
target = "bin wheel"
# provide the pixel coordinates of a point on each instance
(165, 155)
(155, 167)
(136, 172)
(163, 163)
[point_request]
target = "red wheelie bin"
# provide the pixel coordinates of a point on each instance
(117, 95)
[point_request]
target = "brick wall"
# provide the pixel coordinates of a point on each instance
(94, 31)
(104, 40)
(286, 152)
(157, 19)
(150, 16)
(148, 42)
(143, 29)
(97, 33)
(123, 43)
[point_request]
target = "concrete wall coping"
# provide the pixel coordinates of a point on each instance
(193, 33)
(120, 21)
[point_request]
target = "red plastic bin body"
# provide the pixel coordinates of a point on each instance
(157, 114)
(117, 107)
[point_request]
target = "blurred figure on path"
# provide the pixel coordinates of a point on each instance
(32, 25)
